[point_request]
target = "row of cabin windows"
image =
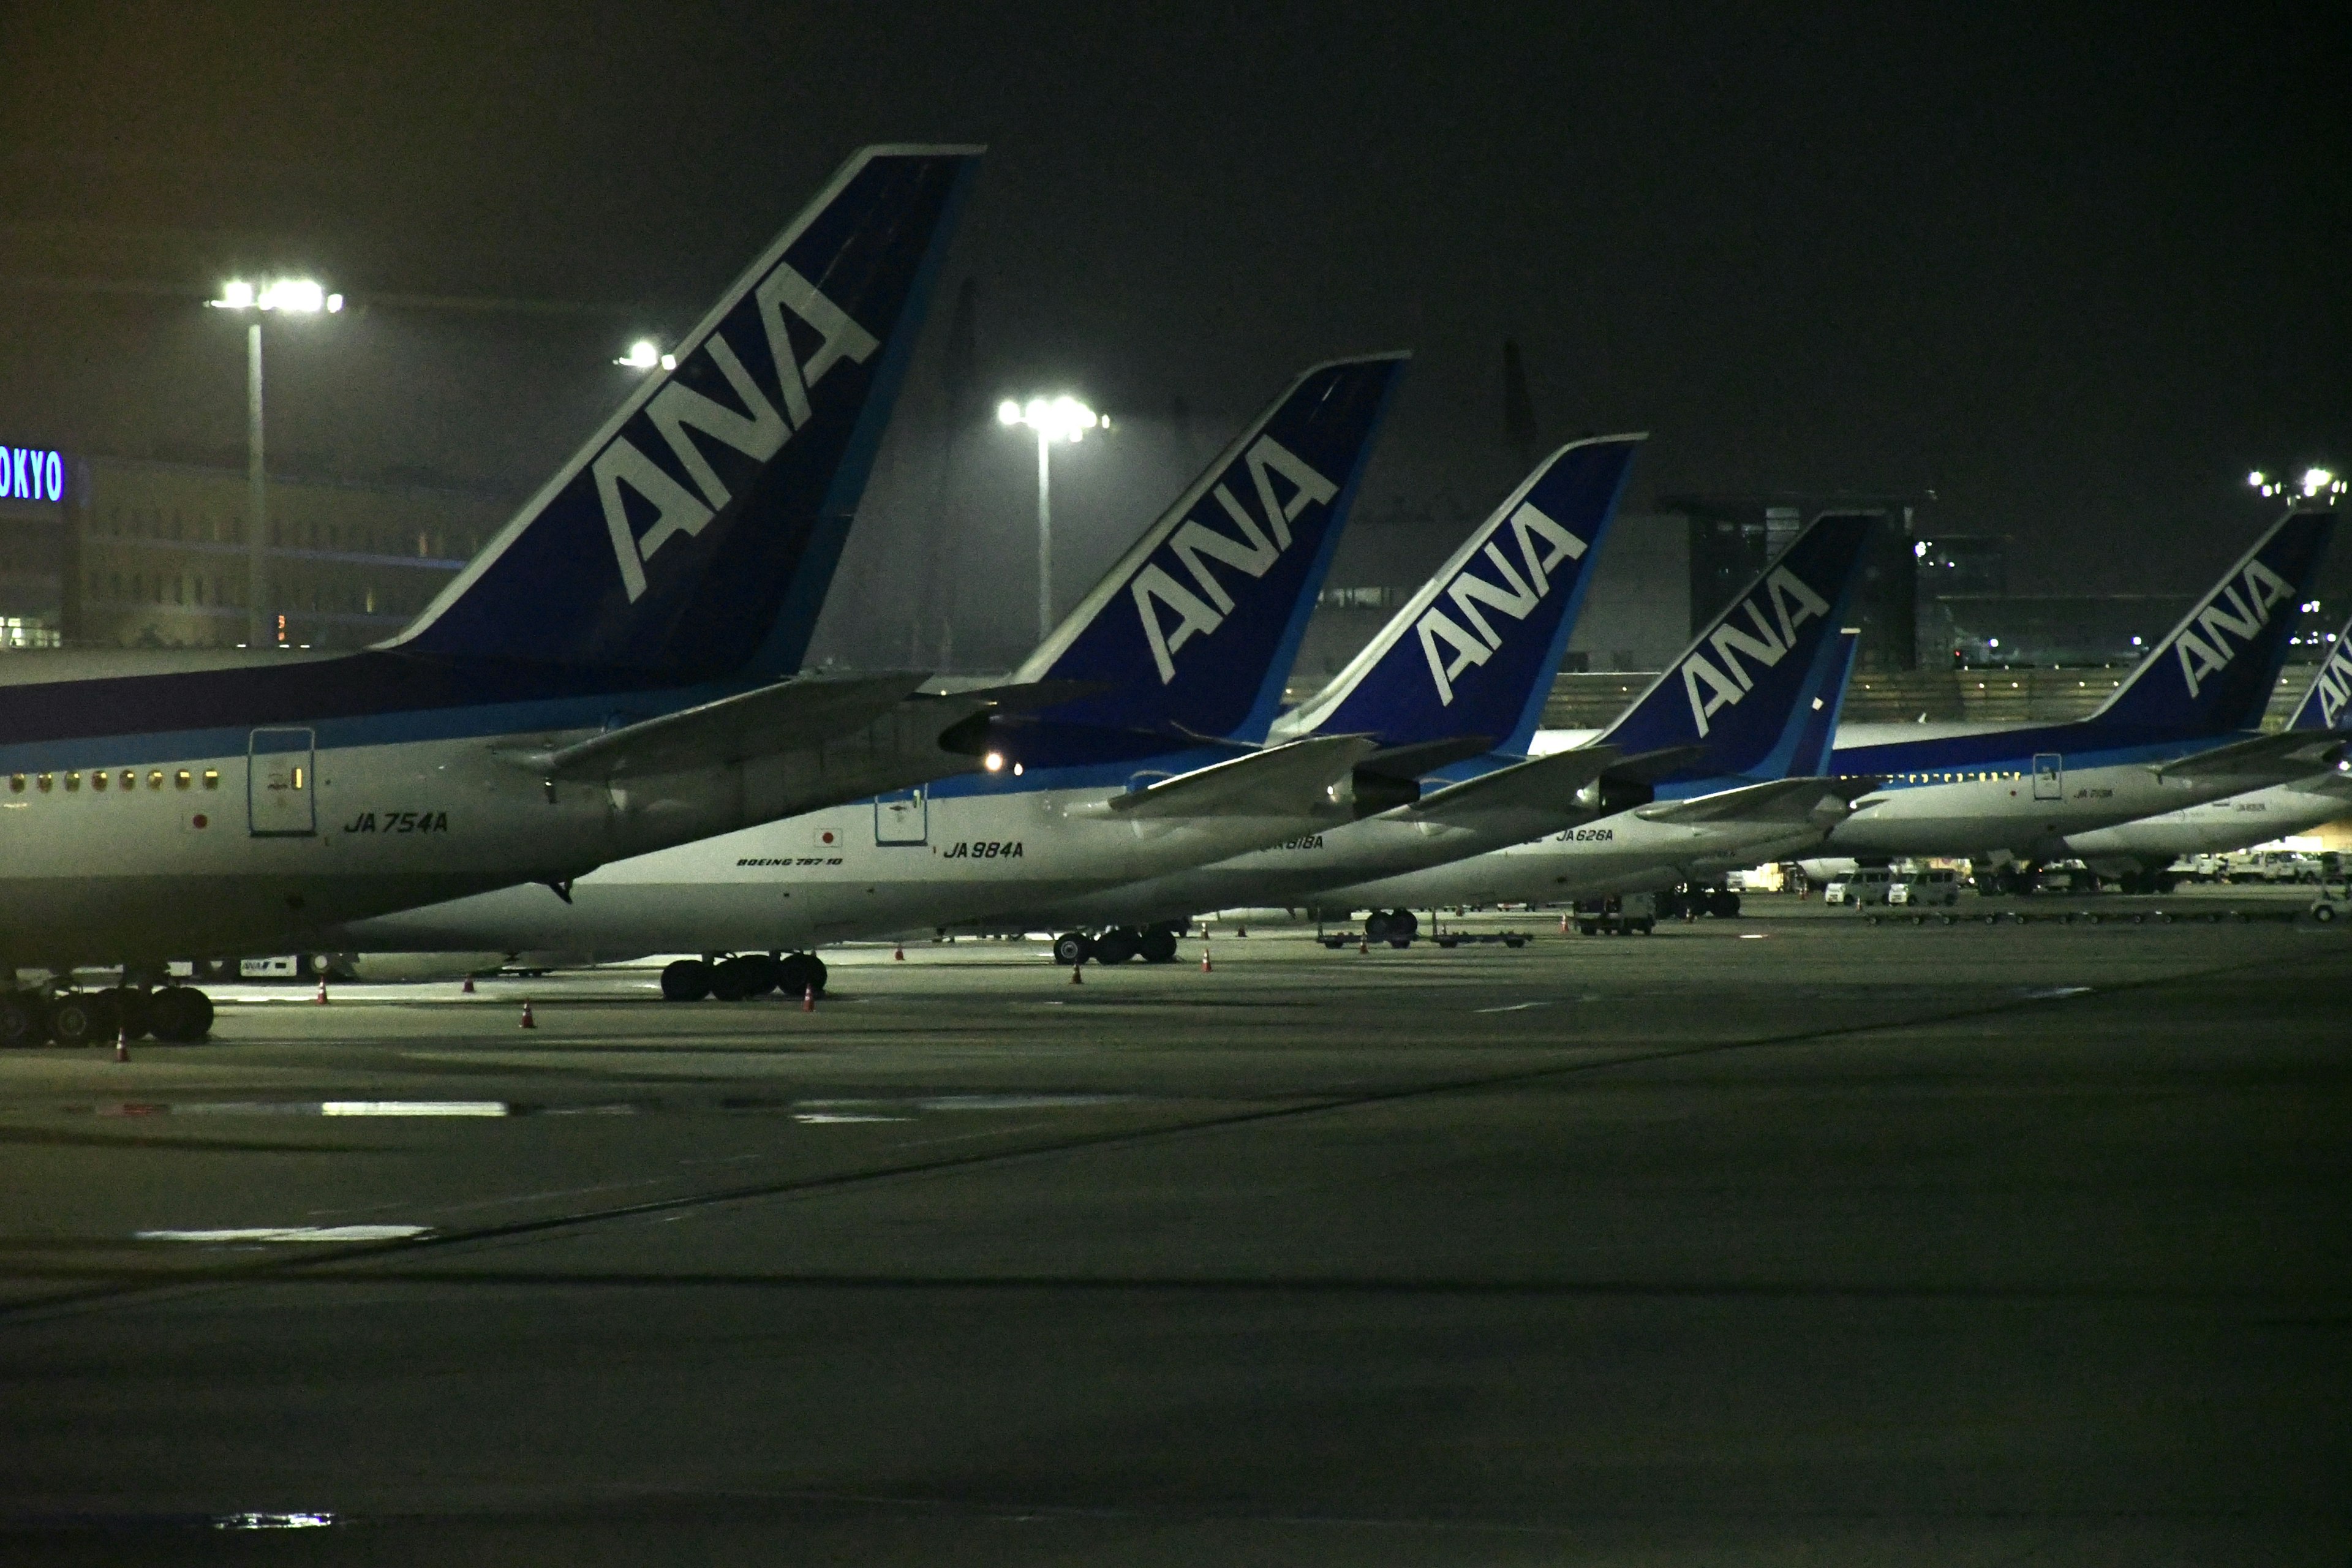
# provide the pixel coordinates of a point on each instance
(1955, 778)
(99, 777)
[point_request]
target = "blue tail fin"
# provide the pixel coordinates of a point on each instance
(1194, 630)
(2213, 673)
(1742, 691)
(1474, 651)
(696, 534)
(1818, 708)
(2329, 702)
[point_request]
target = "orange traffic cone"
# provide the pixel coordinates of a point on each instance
(899, 953)
(808, 998)
(1563, 925)
(1078, 974)
(467, 989)
(1204, 957)
(122, 1043)
(1241, 931)
(1363, 941)
(528, 1021)
(322, 997)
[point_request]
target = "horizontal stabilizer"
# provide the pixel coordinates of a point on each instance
(1538, 784)
(2282, 758)
(1281, 779)
(1411, 763)
(786, 716)
(1782, 800)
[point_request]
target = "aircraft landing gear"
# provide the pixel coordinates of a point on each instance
(1072, 948)
(742, 976)
(179, 1015)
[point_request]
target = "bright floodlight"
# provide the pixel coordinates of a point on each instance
(1054, 419)
(295, 296)
(2257, 479)
(2315, 480)
(644, 353)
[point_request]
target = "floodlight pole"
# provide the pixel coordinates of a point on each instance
(256, 541)
(1045, 535)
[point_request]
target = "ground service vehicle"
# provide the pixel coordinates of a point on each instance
(1926, 888)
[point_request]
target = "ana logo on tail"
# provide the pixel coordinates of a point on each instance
(1793, 604)
(1253, 552)
(757, 433)
(2249, 600)
(2334, 684)
(1468, 590)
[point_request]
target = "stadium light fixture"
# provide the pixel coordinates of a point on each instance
(1062, 419)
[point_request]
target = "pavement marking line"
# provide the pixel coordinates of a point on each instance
(413, 1107)
(2051, 993)
(1514, 1007)
(230, 1278)
(305, 1233)
(307, 1107)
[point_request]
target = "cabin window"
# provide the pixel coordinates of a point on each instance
(43, 784)
(180, 779)
(212, 778)
(15, 784)
(155, 779)
(73, 783)
(130, 778)
(96, 780)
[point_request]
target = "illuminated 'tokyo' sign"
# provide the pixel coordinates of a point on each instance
(29, 475)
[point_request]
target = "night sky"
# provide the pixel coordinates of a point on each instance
(2074, 273)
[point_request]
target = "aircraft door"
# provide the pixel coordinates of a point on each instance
(280, 784)
(902, 816)
(2048, 776)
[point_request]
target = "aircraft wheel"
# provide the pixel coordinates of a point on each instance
(1158, 945)
(687, 979)
(1723, 905)
(179, 1014)
(1117, 945)
(799, 973)
(1072, 948)
(743, 976)
(2323, 913)
(1403, 923)
(23, 1020)
(73, 1019)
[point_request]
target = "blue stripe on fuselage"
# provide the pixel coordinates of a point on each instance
(377, 698)
(2014, 750)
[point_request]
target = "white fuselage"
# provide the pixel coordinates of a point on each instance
(971, 857)
(1971, 808)
(2234, 822)
(147, 848)
(1622, 853)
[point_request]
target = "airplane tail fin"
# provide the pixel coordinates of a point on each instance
(1474, 651)
(1741, 693)
(2212, 673)
(2328, 702)
(1819, 710)
(696, 534)
(1194, 629)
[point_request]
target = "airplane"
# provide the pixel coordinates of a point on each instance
(1161, 760)
(2136, 853)
(1452, 689)
(613, 673)
(1745, 780)
(2180, 730)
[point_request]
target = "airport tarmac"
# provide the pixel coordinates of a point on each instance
(1782, 1241)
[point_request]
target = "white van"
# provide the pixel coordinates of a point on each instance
(1922, 889)
(1863, 885)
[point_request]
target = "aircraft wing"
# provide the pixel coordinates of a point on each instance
(2282, 758)
(1293, 777)
(1539, 782)
(1792, 801)
(787, 716)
